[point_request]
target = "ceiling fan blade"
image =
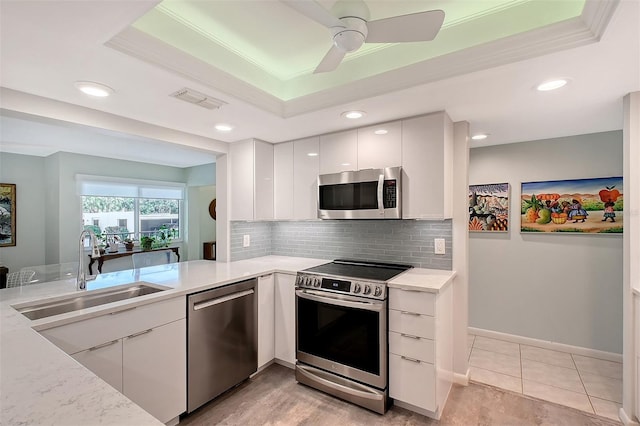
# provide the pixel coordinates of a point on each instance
(421, 26)
(313, 10)
(331, 60)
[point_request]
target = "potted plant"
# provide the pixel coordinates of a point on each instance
(147, 242)
(128, 244)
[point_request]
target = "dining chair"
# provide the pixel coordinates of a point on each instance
(21, 277)
(153, 258)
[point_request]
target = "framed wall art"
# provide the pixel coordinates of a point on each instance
(7, 214)
(489, 207)
(579, 206)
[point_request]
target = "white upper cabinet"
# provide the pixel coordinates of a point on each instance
(305, 178)
(427, 167)
(283, 181)
(339, 152)
(251, 180)
(263, 190)
(380, 146)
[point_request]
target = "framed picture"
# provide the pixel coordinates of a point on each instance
(579, 206)
(489, 207)
(7, 214)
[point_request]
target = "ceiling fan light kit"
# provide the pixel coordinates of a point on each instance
(350, 27)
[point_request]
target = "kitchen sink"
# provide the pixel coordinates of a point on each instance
(75, 302)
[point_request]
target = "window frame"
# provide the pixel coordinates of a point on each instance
(90, 185)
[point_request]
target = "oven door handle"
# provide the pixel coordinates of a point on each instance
(376, 306)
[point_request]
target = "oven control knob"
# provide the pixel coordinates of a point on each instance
(299, 280)
(377, 292)
(305, 281)
(316, 282)
(310, 281)
(367, 289)
(356, 288)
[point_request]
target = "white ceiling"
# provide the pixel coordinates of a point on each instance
(45, 46)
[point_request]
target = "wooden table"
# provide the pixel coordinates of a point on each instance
(122, 253)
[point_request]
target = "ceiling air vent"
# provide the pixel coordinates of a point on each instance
(197, 98)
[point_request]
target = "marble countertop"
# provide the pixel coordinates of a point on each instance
(40, 384)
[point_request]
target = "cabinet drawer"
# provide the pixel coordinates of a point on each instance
(412, 301)
(412, 347)
(413, 324)
(86, 334)
(412, 382)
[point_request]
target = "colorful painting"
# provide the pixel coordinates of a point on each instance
(489, 207)
(581, 206)
(7, 214)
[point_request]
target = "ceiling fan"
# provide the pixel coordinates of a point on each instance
(350, 27)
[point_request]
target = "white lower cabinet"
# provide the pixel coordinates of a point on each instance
(105, 361)
(266, 319)
(154, 369)
(285, 318)
(140, 351)
(420, 349)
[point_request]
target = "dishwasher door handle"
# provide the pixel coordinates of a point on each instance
(219, 300)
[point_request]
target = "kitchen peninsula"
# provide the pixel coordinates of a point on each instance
(39, 383)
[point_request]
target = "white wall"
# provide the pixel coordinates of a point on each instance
(559, 288)
(27, 173)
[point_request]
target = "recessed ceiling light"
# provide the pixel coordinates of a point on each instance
(551, 85)
(381, 131)
(312, 154)
(353, 114)
(222, 127)
(94, 89)
(345, 164)
(479, 136)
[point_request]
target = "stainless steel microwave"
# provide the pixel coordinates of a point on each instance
(362, 194)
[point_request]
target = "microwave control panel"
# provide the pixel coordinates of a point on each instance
(390, 194)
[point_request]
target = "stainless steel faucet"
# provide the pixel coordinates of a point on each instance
(82, 278)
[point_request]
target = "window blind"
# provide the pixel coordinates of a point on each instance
(99, 186)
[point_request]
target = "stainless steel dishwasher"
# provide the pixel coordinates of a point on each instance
(221, 340)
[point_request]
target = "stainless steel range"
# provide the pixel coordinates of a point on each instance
(341, 330)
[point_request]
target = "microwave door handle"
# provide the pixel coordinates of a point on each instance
(380, 192)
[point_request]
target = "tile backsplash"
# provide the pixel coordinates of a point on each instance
(400, 241)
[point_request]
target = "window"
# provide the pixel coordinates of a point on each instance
(131, 208)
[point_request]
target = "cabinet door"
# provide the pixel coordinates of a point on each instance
(427, 164)
(263, 185)
(266, 319)
(377, 149)
(105, 361)
(241, 181)
(154, 373)
(412, 381)
(283, 180)
(305, 178)
(339, 152)
(285, 317)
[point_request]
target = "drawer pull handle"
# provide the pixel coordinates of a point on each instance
(410, 336)
(140, 333)
(124, 310)
(410, 359)
(410, 313)
(104, 345)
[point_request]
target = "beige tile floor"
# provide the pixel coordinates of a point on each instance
(587, 384)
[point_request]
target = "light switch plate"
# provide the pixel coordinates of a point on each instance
(439, 246)
(246, 240)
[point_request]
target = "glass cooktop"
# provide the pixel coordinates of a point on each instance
(360, 269)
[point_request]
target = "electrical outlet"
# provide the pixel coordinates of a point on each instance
(246, 240)
(439, 246)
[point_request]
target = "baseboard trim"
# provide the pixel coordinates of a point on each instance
(462, 379)
(625, 419)
(561, 347)
(285, 363)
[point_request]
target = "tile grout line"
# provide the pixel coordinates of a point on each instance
(521, 372)
(585, 388)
